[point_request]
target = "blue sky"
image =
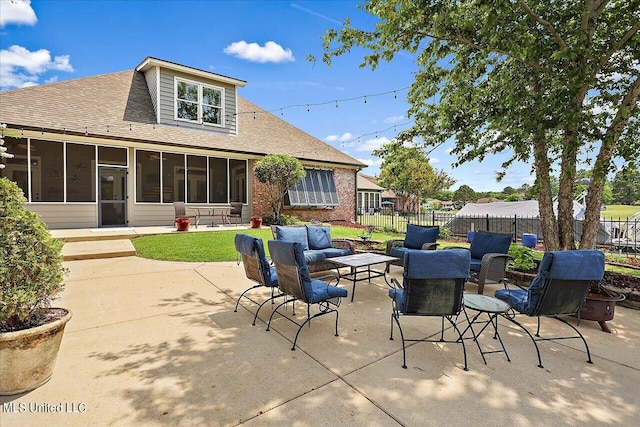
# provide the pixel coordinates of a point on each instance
(262, 42)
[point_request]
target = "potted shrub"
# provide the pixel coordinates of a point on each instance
(522, 266)
(256, 221)
(182, 222)
(31, 275)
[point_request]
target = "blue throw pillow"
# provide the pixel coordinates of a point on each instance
(417, 236)
(319, 237)
(293, 234)
(485, 242)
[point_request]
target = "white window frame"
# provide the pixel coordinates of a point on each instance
(199, 102)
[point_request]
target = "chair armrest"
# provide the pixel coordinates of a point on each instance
(343, 244)
(395, 284)
(493, 266)
(393, 243)
(430, 246)
(456, 247)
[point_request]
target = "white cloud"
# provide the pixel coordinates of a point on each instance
(17, 12)
(368, 162)
(342, 138)
(371, 144)
(270, 52)
(434, 161)
(394, 119)
(449, 150)
(20, 67)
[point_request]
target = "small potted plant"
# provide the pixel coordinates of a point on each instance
(256, 221)
(182, 222)
(31, 275)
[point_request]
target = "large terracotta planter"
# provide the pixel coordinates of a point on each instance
(27, 357)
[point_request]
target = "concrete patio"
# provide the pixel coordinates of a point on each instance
(157, 343)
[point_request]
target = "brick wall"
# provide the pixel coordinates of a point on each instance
(345, 180)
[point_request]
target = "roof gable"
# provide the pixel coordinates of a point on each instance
(118, 106)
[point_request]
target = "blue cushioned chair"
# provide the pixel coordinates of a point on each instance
(256, 268)
(294, 280)
(488, 257)
(417, 237)
(559, 288)
(432, 285)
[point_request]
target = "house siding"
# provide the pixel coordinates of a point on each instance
(70, 215)
(167, 88)
(151, 77)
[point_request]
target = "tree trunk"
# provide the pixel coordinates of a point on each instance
(565, 195)
(589, 236)
(545, 198)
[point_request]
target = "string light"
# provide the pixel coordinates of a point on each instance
(336, 102)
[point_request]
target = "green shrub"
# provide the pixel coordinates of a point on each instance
(521, 258)
(31, 269)
(445, 233)
(281, 220)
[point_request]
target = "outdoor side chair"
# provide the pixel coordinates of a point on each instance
(559, 288)
(417, 237)
(257, 269)
(235, 212)
(432, 285)
(488, 257)
(295, 281)
(180, 210)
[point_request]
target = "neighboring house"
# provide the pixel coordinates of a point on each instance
(369, 194)
(117, 149)
(390, 199)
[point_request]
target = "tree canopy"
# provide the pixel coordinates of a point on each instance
(626, 186)
(278, 172)
(406, 170)
(549, 83)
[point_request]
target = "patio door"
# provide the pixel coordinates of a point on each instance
(112, 206)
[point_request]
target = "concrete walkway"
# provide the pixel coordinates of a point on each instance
(156, 343)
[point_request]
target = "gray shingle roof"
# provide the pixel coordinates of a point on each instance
(366, 182)
(118, 106)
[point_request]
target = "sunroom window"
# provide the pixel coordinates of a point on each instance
(199, 103)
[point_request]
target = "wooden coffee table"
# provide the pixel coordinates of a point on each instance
(360, 264)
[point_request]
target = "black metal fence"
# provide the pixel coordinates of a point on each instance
(619, 235)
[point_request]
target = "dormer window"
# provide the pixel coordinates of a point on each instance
(198, 103)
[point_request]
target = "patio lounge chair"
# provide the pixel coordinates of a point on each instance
(559, 288)
(417, 237)
(257, 269)
(432, 285)
(488, 257)
(295, 281)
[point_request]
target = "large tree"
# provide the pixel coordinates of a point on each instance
(626, 186)
(464, 195)
(406, 170)
(546, 82)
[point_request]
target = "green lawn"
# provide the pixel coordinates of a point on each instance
(216, 246)
(219, 245)
(619, 211)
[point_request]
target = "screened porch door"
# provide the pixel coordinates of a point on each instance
(113, 197)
